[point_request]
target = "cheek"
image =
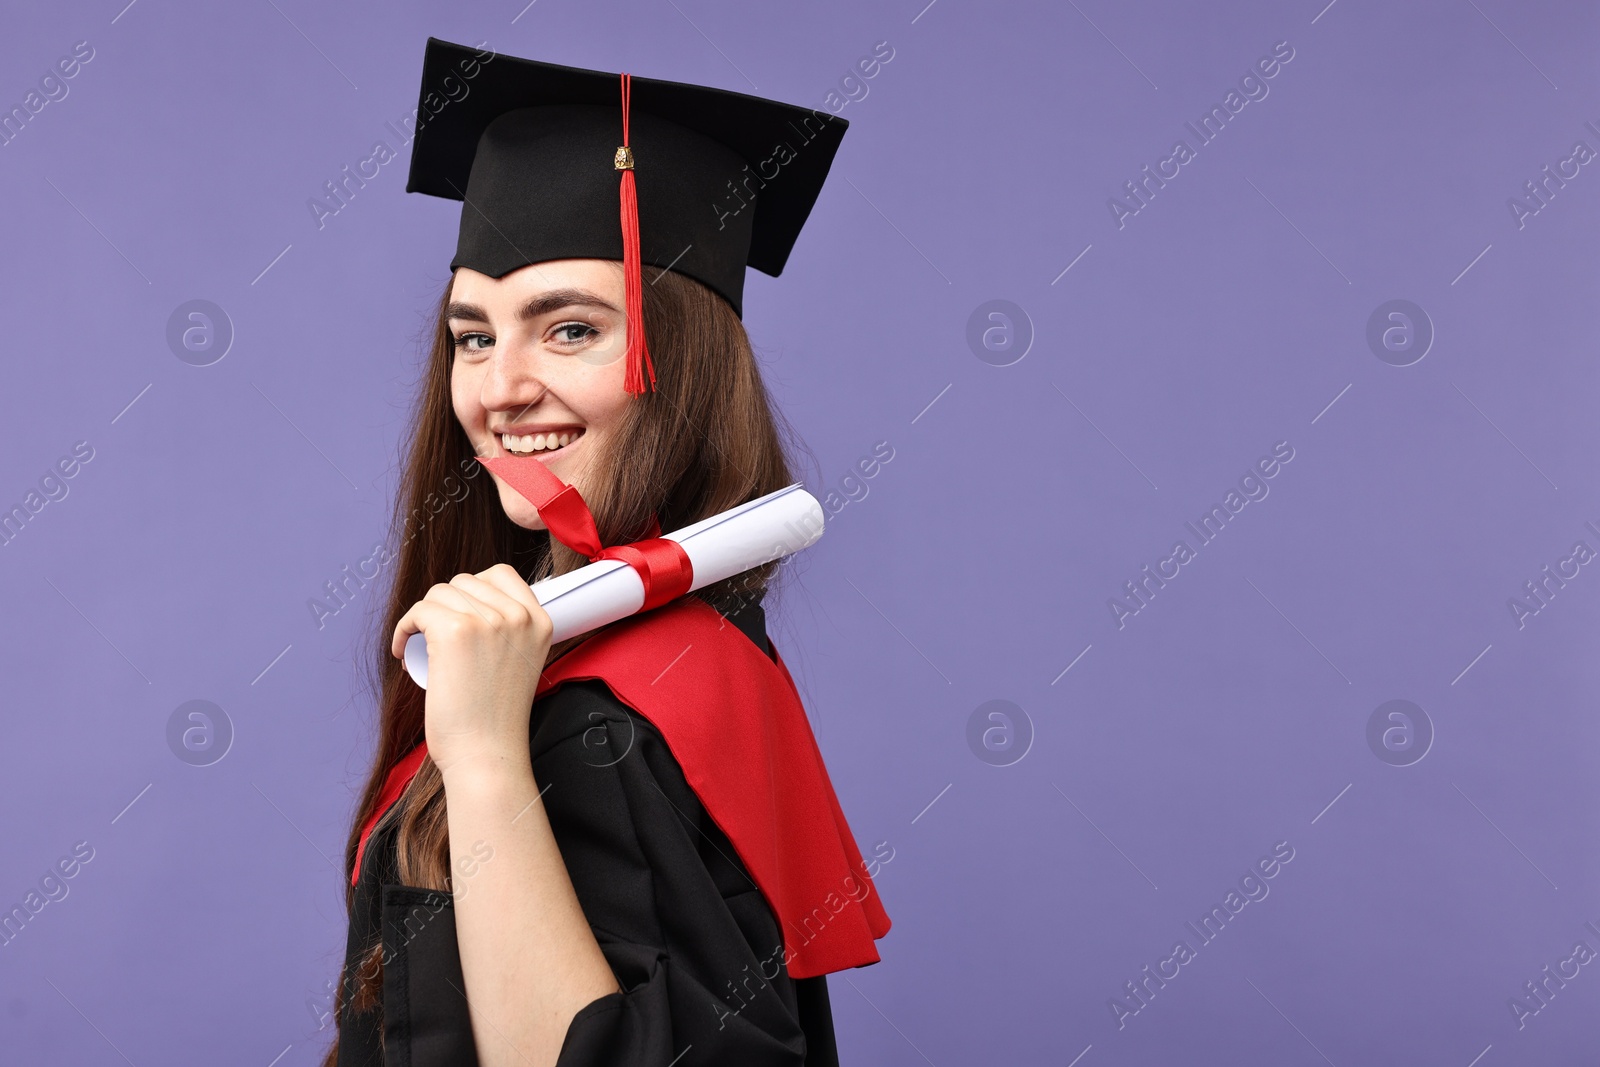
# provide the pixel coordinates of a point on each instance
(464, 401)
(596, 395)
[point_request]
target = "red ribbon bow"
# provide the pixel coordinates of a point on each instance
(662, 564)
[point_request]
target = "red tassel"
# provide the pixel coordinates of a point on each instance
(638, 355)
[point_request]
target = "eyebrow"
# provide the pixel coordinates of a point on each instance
(543, 304)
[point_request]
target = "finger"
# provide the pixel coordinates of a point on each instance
(431, 618)
(460, 600)
(402, 633)
(507, 608)
(503, 576)
(423, 615)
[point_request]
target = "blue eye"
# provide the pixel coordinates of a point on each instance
(564, 331)
(463, 343)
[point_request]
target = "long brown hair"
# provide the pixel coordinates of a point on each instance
(706, 440)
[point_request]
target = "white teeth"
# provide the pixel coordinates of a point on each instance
(539, 442)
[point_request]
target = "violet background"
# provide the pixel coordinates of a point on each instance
(1229, 314)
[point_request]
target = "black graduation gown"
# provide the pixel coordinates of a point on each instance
(693, 943)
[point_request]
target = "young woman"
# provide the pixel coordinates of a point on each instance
(649, 867)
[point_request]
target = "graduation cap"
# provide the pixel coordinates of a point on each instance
(556, 162)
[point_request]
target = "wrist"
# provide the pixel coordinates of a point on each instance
(487, 769)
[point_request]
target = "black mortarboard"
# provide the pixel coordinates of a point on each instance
(721, 180)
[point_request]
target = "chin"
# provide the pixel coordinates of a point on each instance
(519, 510)
(528, 521)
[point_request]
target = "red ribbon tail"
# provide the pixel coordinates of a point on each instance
(560, 505)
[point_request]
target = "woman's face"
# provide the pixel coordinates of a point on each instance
(538, 367)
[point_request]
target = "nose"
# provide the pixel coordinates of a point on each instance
(512, 382)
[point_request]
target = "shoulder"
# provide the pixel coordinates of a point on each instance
(584, 737)
(617, 797)
(579, 705)
(573, 709)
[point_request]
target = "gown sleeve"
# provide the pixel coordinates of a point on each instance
(693, 944)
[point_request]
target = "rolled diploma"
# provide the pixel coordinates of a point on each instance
(730, 543)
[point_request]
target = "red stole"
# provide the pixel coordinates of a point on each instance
(711, 692)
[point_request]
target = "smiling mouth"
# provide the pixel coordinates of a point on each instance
(538, 444)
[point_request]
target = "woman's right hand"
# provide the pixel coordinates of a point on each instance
(488, 639)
